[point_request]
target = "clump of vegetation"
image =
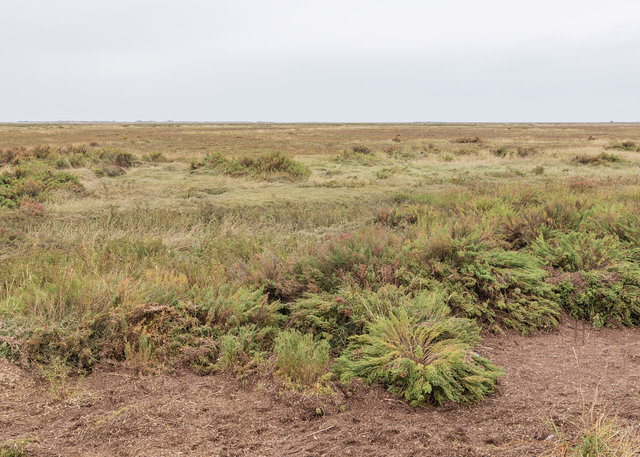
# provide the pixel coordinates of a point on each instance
(520, 151)
(13, 451)
(71, 156)
(466, 140)
(359, 154)
(300, 359)
(597, 434)
(386, 173)
(602, 158)
(273, 166)
(591, 278)
(424, 356)
(368, 259)
(496, 287)
(502, 152)
(466, 151)
(33, 182)
(625, 146)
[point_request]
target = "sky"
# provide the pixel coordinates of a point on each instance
(327, 61)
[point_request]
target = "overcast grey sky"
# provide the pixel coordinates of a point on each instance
(330, 60)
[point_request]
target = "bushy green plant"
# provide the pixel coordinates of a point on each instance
(229, 307)
(577, 251)
(245, 347)
(300, 358)
(602, 297)
(337, 317)
(272, 166)
(13, 451)
(424, 358)
(366, 259)
(497, 287)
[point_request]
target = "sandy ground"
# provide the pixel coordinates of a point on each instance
(113, 412)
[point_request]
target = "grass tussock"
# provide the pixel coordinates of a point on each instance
(300, 359)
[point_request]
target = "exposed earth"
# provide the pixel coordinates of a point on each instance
(550, 377)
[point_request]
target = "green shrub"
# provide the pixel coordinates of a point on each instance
(497, 287)
(267, 167)
(12, 451)
(33, 181)
(502, 152)
(625, 146)
(301, 359)
(230, 306)
(157, 157)
(602, 158)
(367, 259)
(473, 139)
(602, 297)
(577, 251)
(424, 359)
(337, 317)
(244, 348)
(359, 154)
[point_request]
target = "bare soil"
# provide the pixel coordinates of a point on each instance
(113, 412)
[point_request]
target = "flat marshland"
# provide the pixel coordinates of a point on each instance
(319, 289)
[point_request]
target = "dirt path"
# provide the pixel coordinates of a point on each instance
(115, 413)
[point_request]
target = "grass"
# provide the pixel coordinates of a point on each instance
(138, 245)
(596, 433)
(301, 359)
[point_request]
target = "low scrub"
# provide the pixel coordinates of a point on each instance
(625, 146)
(577, 251)
(32, 182)
(358, 154)
(266, 167)
(599, 159)
(422, 357)
(498, 288)
(367, 259)
(71, 156)
(591, 277)
(471, 139)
